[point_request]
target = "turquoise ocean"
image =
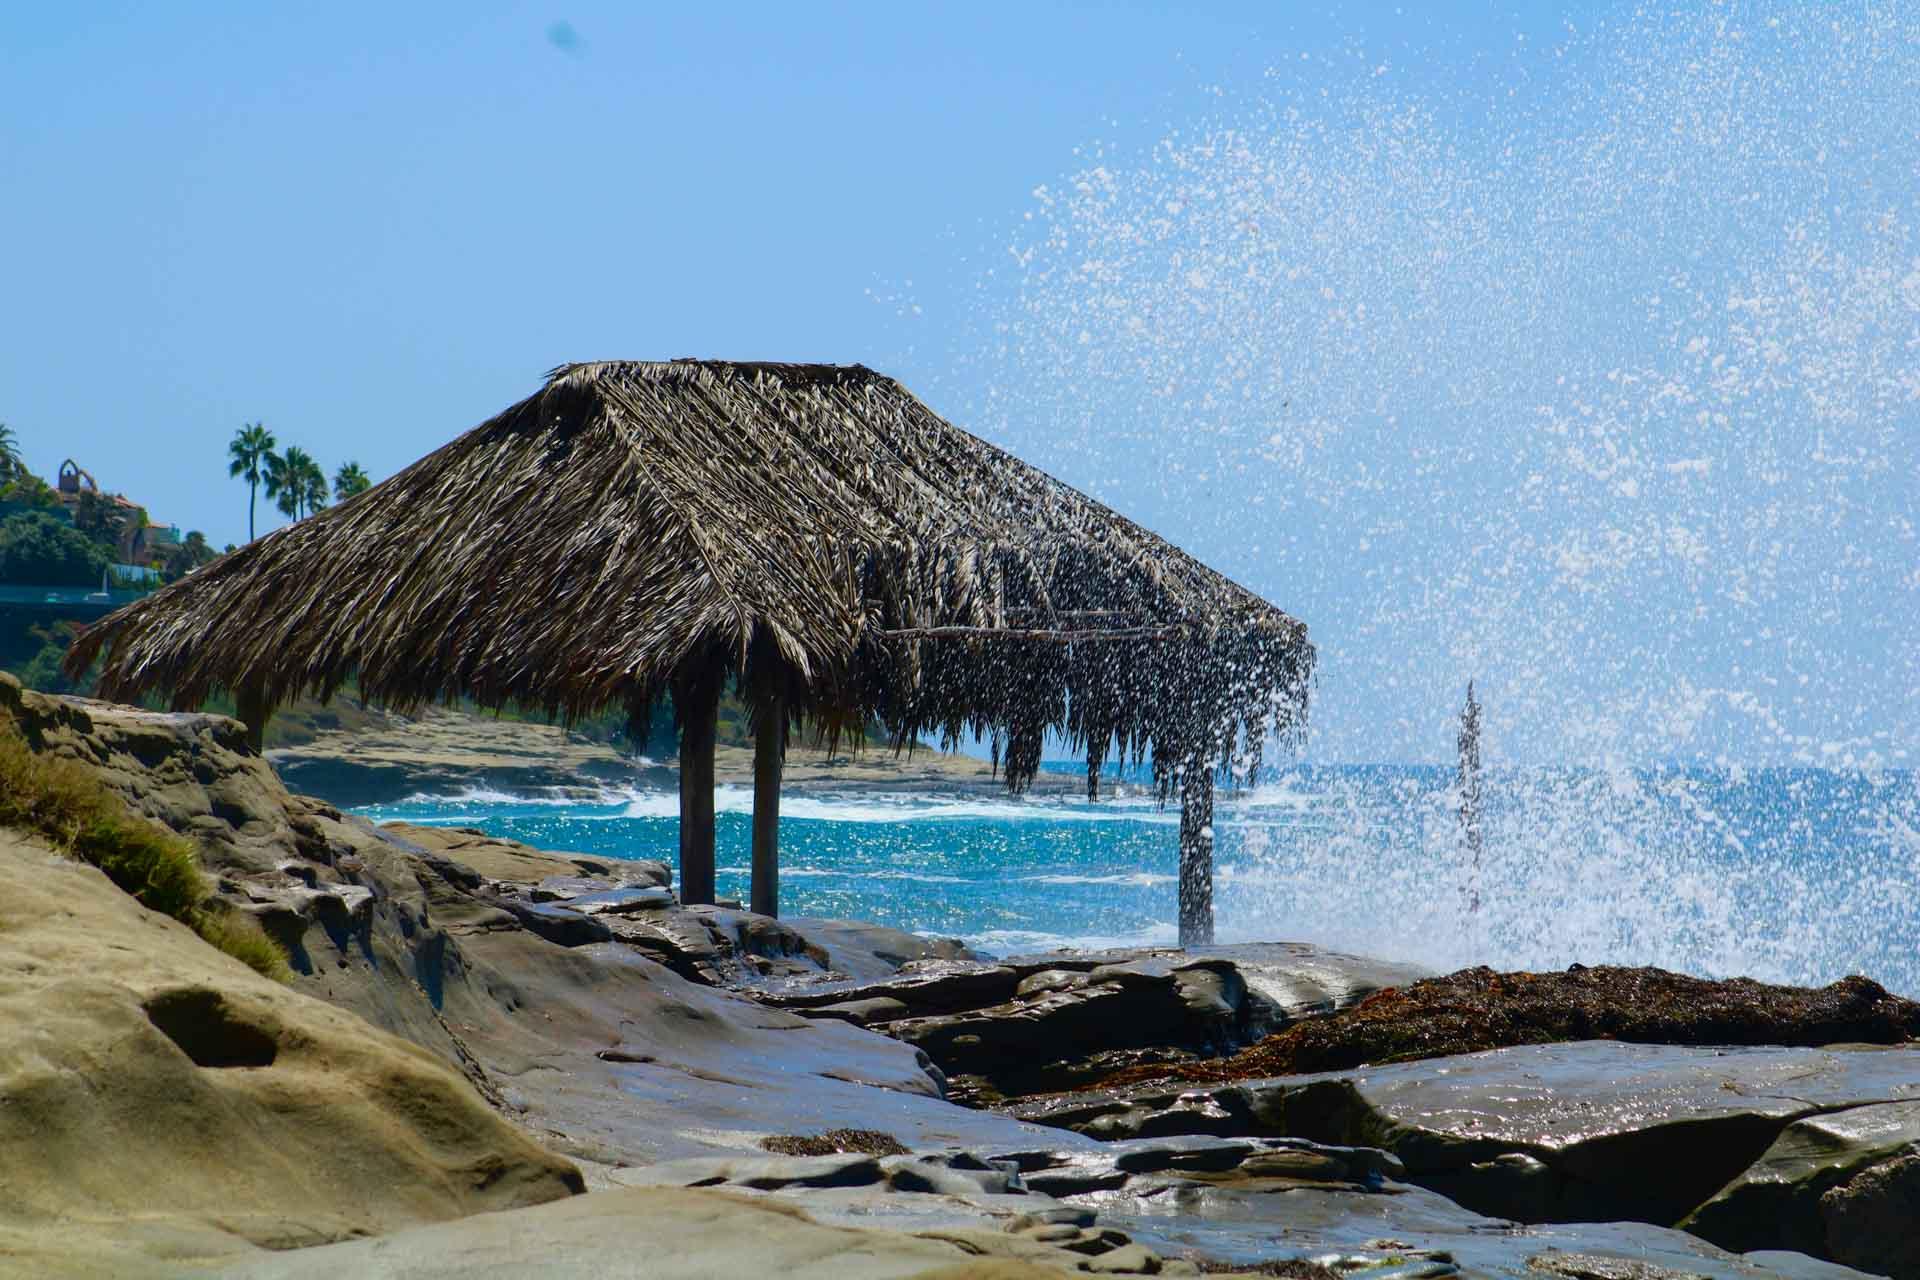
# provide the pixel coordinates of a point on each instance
(1791, 874)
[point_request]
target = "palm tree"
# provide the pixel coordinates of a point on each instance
(192, 552)
(349, 481)
(313, 486)
(12, 464)
(277, 479)
(297, 482)
(250, 455)
(195, 545)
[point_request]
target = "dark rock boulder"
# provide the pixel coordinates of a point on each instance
(1873, 1219)
(926, 987)
(1022, 1045)
(1824, 1187)
(1062, 1021)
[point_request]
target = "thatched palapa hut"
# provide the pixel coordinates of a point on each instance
(635, 532)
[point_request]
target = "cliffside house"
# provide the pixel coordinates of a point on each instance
(143, 542)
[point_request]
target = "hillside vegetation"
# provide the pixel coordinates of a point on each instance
(63, 803)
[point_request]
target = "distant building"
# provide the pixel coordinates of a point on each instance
(73, 479)
(142, 541)
(149, 543)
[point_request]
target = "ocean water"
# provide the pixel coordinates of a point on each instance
(1793, 874)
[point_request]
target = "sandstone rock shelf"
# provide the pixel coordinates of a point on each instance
(146, 1080)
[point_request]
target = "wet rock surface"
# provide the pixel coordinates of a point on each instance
(1407, 1231)
(1831, 1184)
(1182, 1206)
(1002, 1030)
(1594, 1131)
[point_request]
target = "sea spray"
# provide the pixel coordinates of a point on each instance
(1612, 388)
(1600, 384)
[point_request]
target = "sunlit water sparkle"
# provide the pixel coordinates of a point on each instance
(1796, 875)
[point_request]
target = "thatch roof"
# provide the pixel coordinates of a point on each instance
(633, 523)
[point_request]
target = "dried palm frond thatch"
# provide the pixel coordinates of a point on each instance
(638, 531)
(807, 529)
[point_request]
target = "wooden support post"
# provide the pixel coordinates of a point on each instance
(253, 710)
(769, 760)
(697, 702)
(1196, 856)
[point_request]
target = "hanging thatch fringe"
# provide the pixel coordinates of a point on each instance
(634, 522)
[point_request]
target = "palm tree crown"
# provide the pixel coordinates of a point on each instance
(277, 481)
(286, 480)
(248, 453)
(313, 486)
(296, 482)
(349, 481)
(11, 463)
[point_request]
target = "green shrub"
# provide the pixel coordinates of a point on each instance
(41, 549)
(160, 870)
(63, 802)
(240, 936)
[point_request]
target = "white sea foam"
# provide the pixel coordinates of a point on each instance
(1605, 866)
(1140, 879)
(901, 806)
(853, 874)
(493, 797)
(1012, 942)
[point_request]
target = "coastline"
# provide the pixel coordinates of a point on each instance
(444, 752)
(728, 1093)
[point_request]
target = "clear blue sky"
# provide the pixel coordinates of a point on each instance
(372, 227)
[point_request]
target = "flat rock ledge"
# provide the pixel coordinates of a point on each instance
(1177, 1206)
(1744, 1146)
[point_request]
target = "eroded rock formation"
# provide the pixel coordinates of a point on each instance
(153, 1087)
